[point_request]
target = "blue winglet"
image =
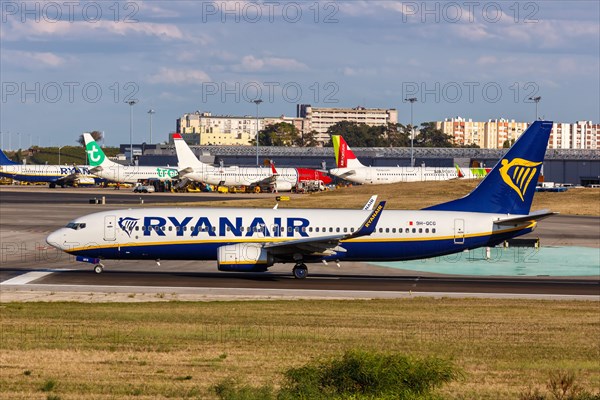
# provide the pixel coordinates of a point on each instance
(370, 223)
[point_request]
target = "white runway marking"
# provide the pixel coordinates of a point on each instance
(26, 278)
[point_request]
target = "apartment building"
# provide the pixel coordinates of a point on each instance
(319, 119)
(219, 129)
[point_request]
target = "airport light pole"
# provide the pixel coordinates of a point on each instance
(536, 99)
(411, 100)
(131, 103)
(151, 112)
(59, 147)
(257, 102)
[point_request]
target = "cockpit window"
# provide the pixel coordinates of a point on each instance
(76, 225)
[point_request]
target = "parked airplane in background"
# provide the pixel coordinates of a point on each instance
(281, 179)
(115, 172)
(350, 169)
(250, 239)
(61, 175)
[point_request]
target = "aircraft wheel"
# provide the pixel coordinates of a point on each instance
(98, 268)
(52, 185)
(300, 271)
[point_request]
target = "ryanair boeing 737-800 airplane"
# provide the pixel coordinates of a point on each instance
(250, 239)
(52, 174)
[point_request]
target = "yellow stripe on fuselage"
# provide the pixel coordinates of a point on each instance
(275, 240)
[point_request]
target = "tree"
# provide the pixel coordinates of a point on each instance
(398, 135)
(97, 135)
(308, 139)
(279, 134)
(358, 135)
(428, 136)
(508, 143)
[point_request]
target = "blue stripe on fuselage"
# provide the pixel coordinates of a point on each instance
(356, 250)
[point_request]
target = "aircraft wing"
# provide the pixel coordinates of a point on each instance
(534, 216)
(328, 245)
(71, 177)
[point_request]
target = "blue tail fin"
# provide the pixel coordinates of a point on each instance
(509, 187)
(5, 160)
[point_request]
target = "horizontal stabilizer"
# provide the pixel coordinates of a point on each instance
(534, 216)
(185, 171)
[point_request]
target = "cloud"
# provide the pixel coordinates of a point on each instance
(252, 64)
(33, 60)
(179, 76)
(48, 30)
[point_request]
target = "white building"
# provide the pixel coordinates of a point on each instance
(319, 119)
(493, 133)
(220, 129)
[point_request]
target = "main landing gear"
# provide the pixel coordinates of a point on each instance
(300, 271)
(98, 268)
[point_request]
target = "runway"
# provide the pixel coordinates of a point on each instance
(28, 215)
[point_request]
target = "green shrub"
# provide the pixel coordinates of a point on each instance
(357, 375)
(229, 389)
(364, 375)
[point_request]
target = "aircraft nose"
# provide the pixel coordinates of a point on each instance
(57, 239)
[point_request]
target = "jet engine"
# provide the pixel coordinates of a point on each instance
(281, 186)
(245, 257)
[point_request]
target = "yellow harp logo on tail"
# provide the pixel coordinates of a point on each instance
(522, 173)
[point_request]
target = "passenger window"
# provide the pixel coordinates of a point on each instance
(432, 230)
(345, 230)
(414, 230)
(426, 230)
(387, 230)
(420, 230)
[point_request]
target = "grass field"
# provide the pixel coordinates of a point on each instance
(180, 350)
(416, 195)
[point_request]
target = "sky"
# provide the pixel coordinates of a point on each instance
(70, 67)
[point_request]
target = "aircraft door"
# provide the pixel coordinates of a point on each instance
(110, 228)
(459, 231)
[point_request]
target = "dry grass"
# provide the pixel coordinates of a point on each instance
(178, 350)
(418, 195)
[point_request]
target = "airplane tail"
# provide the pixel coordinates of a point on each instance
(510, 185)
(185, 156)
(4, 160)
(95, 155)
(344, 156)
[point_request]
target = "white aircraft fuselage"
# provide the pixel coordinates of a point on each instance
(198, 233)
